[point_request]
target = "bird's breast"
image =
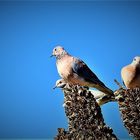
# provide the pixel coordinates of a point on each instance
(64, 67)
(128, 74)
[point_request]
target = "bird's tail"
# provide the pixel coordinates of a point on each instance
(105, 89)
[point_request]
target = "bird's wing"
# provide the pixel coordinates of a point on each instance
(82, 70)
(136, 73)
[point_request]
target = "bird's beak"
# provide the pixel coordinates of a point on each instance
(54, 87)
(52, 55)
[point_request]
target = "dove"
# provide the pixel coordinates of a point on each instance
(131, 74)
(74, 71)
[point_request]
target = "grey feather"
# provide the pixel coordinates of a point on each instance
(81, 69)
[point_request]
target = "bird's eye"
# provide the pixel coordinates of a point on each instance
(60, 82)
(54, 49)
(134, 59)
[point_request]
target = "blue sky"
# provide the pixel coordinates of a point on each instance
(106, 35)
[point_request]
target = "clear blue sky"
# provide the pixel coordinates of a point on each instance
(106, 35)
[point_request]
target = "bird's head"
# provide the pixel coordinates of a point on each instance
(136, 61)
(60, 84)
(58, 51)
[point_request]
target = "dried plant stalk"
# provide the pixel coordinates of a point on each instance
(84, 117)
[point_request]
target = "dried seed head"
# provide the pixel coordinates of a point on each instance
(84, 116)
(130, 110)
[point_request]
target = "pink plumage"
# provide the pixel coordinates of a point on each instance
(76, 72)
(131, 74)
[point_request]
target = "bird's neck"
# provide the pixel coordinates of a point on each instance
(63, 54)
(135, 64)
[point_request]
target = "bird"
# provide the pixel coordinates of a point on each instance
(75, 72)
(100, 97)
(61, 83)
(131, 74)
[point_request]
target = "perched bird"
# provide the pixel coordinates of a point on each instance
(100, 97)
(61, 83)
(131, 73)
(74, 71)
